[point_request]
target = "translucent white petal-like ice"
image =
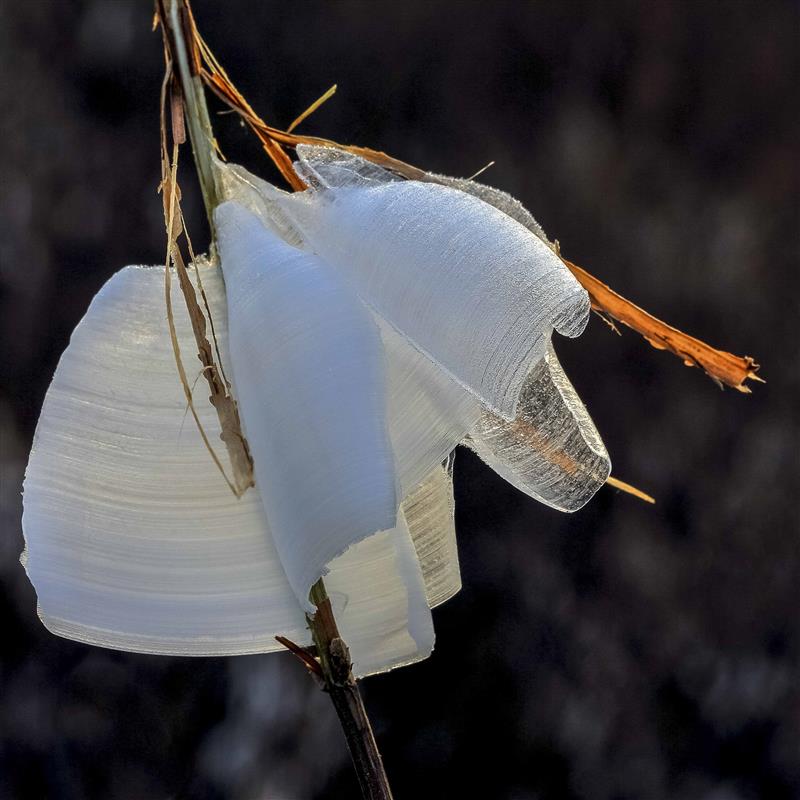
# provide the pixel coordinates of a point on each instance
(429, 412)
(135, 542)
(464, 282)
(552, 450)
(374, 323)
(532, 462)
(310, 379)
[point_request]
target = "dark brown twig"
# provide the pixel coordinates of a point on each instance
(337, 670)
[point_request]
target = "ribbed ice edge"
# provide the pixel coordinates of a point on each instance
(430, 515)
(161, 646)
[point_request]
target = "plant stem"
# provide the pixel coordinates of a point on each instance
(340, 684)
(198, 120)
(333, 654)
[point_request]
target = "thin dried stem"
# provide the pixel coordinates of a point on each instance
(616, 483)
(313, 107)
(722, 367)
(187, 108)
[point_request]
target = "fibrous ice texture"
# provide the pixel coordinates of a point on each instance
(468, 285)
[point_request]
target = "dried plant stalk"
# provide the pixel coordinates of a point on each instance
(220, 390)
(721, 367)
(616, 483)
(334, 667)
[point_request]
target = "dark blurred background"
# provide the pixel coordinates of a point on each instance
(627, 651)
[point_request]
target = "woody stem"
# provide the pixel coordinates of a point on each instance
(337, 670)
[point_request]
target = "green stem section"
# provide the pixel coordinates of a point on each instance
(197, 117)
(340, 684)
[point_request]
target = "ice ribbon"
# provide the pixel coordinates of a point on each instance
(465, 283)
(550, 449)
(374, 324)
(135, 542)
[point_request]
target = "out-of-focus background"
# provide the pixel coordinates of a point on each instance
(626, 651)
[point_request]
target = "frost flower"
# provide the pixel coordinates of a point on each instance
(368, 325)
